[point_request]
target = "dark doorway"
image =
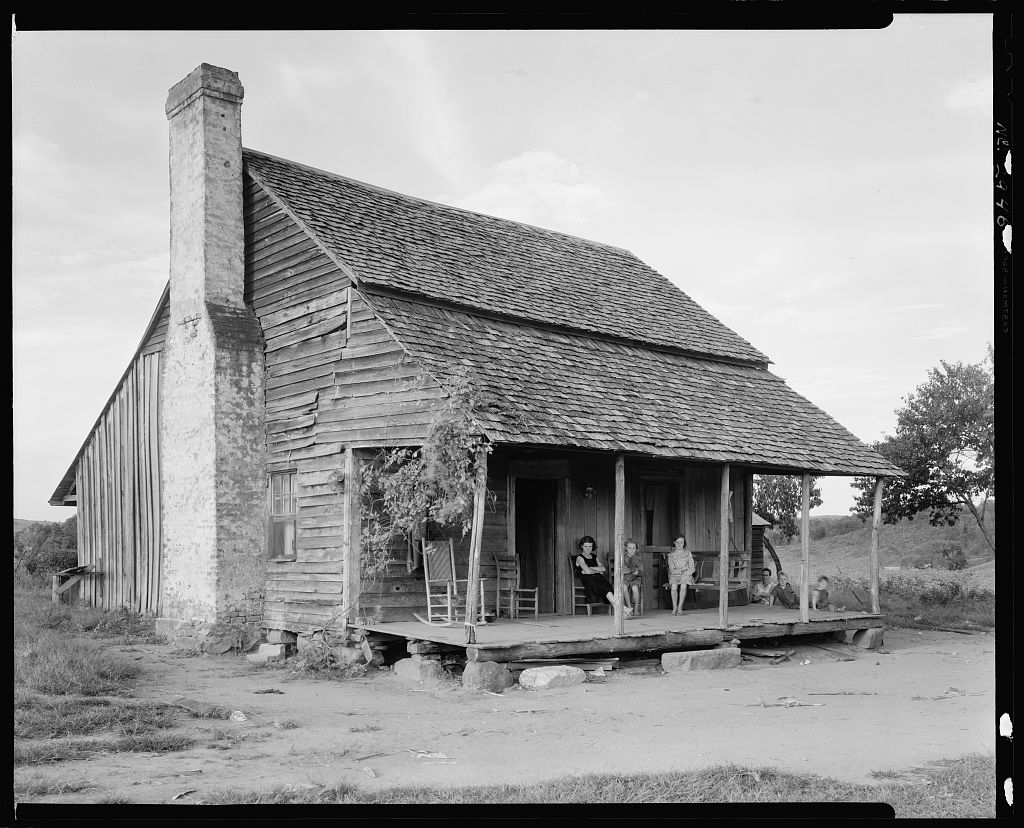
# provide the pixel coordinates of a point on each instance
(535, 538)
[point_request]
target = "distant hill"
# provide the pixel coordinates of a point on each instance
(21, 523)
(906, 544)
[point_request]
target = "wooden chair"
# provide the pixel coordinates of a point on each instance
(446, 604)
(511, 597)
(579, 592)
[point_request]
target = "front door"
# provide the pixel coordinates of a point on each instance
(535, 538)
(661, 521)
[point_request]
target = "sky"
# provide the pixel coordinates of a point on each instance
(826, 194)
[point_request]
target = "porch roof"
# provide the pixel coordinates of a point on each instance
(551, 388)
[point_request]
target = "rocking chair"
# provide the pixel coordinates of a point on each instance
(445, 606)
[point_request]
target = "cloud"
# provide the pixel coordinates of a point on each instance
(539, 187)
(942, 332)
(972, 97)
(435, 121)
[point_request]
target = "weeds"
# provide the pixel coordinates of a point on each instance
(57, 750)
(38, 717)
(58, 665)
(37, 786)
(950, 600)
(960, 788)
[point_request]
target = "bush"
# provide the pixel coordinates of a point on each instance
(44, 547)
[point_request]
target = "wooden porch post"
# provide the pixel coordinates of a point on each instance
(620, 538)
(723, 551)
(476, 537)
(352, 541)
(876, 521)
(805, 547)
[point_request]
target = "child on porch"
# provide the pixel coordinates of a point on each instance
(819, 597)
(632, 576)
(680, 573)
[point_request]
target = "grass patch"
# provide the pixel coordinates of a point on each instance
(960, 788)
(60, 750)
(32, 787)
(59, 665)
(42, 717)
(950, 600)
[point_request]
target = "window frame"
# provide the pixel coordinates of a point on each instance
(282, 511)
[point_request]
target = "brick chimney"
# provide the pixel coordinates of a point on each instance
(212, 455)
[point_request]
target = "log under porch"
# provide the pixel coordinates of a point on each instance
(561, 636)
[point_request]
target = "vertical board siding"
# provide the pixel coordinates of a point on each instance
(118, 505)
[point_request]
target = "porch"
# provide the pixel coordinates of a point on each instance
(563, 636)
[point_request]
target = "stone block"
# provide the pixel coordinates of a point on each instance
(548, 678)
(281, 637)
(716, 659)
(486, 675)
(869, 639)
(273, 652)
(412, 671)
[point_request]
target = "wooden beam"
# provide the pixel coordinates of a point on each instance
(352, 541)
(475, 542)
(723, 550)
(876, 521)
(620, 539)
(612, 644)
(805, 546)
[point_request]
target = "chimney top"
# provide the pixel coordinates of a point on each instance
(205, 79)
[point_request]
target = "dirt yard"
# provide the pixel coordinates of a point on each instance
(924, 697)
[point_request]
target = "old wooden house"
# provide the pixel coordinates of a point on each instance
(311, 320)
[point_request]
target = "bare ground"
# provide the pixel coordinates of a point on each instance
(929, 697)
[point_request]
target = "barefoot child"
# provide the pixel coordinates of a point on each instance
(680, 573)
(632, 576)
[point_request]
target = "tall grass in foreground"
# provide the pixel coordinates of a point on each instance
(962, 787)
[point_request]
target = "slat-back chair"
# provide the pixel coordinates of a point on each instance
(579, 592)
(446, 594)
(511, 597)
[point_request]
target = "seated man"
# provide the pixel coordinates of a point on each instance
(783, 593)
(763, 589)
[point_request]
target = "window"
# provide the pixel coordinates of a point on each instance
(281, 540)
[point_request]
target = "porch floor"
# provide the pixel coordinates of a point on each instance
(553, 636)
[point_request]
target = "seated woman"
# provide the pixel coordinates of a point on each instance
(592, 574)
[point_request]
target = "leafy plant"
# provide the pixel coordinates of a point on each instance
(404, 488)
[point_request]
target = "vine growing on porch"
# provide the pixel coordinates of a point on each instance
(402, 488)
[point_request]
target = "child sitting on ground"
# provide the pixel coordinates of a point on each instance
(819, 597)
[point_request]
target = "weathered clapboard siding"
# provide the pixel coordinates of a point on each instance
(379, 396)
(301, 299)
(331, 381)
(118, 481)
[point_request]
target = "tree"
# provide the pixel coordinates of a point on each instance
(945, 441)
(44, 546)
(777, 498)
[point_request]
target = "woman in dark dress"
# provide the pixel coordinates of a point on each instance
(592, 574)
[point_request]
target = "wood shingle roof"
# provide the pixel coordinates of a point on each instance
(549, 388)
(389, 240)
